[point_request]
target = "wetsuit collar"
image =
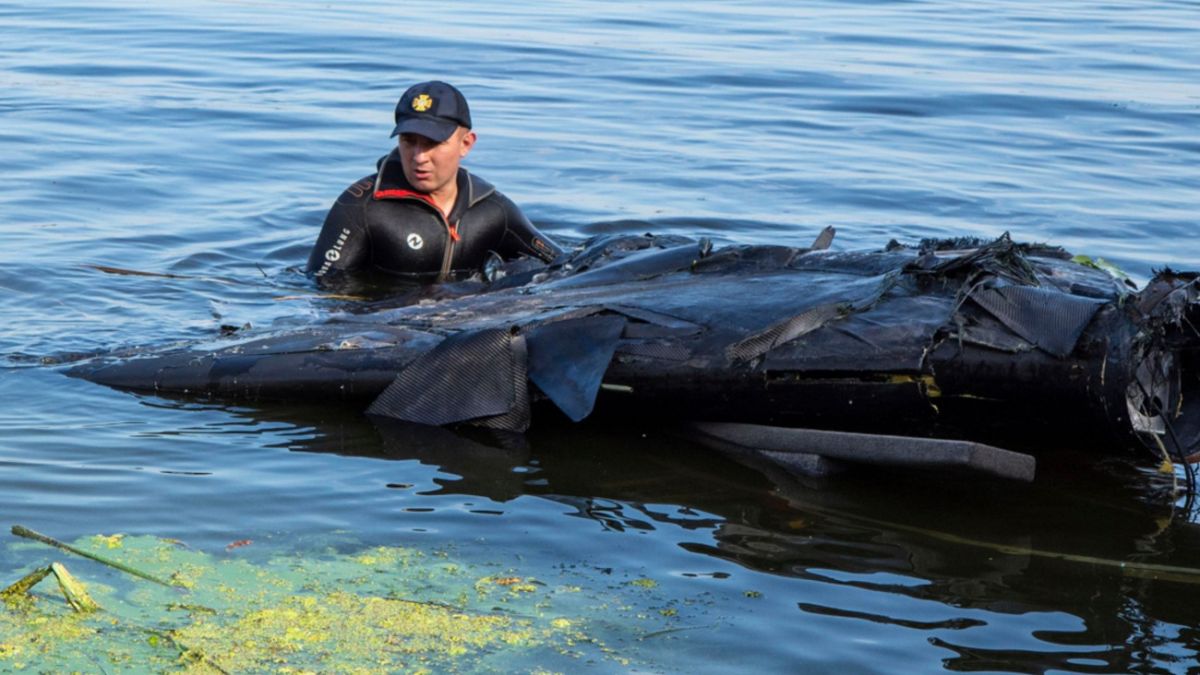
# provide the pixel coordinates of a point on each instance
(391, 184)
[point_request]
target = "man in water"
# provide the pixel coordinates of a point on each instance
(422, 216)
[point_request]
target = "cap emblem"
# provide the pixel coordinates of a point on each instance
(422, 103)
(415, 242)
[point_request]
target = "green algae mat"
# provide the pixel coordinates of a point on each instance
(336, 610)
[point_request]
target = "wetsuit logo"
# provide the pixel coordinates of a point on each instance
(422, 103)
(415, 241)
(334, 254)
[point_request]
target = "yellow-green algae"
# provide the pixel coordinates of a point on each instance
(382, 609)
(107, 541)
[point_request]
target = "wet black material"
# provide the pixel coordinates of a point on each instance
(643, 264)
(895, 342)
(1050, 320)
(823, 240)
(466, 377)
(519, 416)
(779, 444)
(568, 359)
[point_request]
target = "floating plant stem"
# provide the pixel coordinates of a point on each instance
(74, 591)
(24, 584)
(37, 536)
(185, 652)
(677, 629)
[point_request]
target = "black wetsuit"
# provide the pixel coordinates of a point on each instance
(380, 223)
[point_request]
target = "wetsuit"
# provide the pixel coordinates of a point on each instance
(381, 223)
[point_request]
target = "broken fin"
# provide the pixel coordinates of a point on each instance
(824, 239)
(568, 359)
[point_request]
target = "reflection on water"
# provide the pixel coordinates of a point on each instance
(1091, 560)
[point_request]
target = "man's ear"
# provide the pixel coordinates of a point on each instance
(468, 142)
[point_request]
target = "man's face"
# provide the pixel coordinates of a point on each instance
(430, 166)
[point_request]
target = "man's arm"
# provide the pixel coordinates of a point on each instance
(343, 245)
(521, 237)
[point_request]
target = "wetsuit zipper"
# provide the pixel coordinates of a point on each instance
(452, 230)
(451, 237)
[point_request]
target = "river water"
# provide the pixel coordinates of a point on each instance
(201, 141)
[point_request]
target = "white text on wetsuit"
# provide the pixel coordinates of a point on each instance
(334, 253)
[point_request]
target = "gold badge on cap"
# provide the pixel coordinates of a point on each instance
(422, 103)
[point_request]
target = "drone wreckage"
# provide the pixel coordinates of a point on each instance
(806, 357)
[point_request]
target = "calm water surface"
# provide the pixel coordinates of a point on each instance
(205, 140)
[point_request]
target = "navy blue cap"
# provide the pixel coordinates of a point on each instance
(432, 109)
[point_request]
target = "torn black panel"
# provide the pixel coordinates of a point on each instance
(986, 331)
(467, 376)
(1052, 321)
(520, 414)
(568, 359)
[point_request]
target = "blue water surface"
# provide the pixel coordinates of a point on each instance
(200, 142)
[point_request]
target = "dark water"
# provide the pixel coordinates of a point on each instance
(202, 142)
